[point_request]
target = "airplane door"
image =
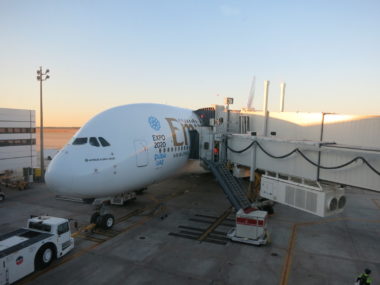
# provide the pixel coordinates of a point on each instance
(142, 155)
(206, 143)
(194, 144)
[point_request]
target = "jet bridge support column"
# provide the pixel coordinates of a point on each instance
(253, 165)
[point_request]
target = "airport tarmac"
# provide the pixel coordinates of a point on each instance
(304, 249)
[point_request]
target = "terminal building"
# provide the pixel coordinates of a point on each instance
(17, 141)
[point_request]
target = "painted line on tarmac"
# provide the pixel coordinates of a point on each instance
(292, 242)
(376, 202)
(215, 224)
(55, 265)
(152, 198)
(288, 259)
(79, 253)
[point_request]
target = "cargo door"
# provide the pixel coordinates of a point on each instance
(142, 154)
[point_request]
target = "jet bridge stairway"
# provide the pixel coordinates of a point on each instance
(230, 184)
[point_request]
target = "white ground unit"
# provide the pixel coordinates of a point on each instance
(250, 228)
(310, 196)
(35, 247)
(17, 140)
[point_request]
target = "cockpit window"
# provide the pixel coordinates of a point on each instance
(80, 141)
(103, 141)
(94, 142)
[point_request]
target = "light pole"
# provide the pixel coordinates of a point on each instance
(42, 76)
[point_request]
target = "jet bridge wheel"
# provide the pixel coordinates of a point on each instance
(268, 208)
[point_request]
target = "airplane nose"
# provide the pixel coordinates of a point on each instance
(59, 178)
(65, 178)
(70, 175)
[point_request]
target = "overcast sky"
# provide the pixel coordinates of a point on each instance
(190, 54)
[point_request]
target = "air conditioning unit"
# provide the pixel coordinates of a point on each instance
(309, 196)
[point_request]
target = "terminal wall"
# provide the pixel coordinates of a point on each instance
(17, 139)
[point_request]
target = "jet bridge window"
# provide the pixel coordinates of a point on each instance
(94, 142)
(79, 141)
(103, 142)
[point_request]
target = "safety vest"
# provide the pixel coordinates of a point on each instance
(364, 279)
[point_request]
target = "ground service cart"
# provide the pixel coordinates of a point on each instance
(28, 249)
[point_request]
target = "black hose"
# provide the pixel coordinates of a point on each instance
(306, 158)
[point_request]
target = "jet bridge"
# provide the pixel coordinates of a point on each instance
(307, 172)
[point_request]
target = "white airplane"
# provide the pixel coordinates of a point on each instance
(123, 149)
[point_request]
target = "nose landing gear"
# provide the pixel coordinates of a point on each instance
(102, 219)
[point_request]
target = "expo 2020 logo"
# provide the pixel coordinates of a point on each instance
(154, 123)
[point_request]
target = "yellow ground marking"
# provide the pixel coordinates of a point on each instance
(292, 241)
(84, 229)
(89, 227)
(376, 202)
(153, 198)
(215, 224)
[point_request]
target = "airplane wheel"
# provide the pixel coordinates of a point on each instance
(94, 218)
(107, 221)
(2, 197)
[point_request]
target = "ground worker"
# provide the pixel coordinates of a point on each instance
(216, 152)
(364, 278)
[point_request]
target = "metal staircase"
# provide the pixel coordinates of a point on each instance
(230, 184)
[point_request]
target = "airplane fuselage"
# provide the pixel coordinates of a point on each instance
(123, 149)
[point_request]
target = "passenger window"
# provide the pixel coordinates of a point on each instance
(63, 228)
(103, 142)
(94, 142)
(79, 141)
